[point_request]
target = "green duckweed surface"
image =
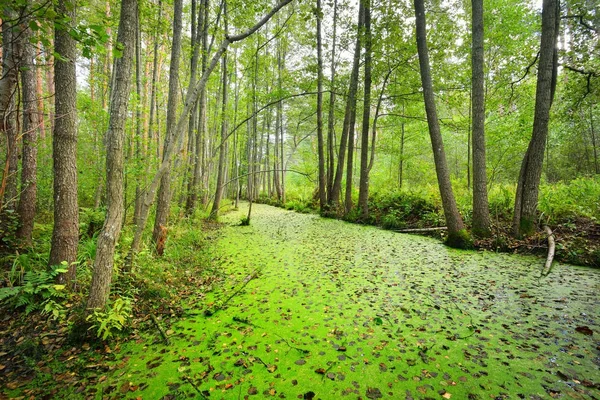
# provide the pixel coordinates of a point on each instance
(318, 308)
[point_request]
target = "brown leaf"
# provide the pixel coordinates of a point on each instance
(320, 371)
(585, 330)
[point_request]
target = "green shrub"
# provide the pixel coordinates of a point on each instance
(90, 222)
(112, 319)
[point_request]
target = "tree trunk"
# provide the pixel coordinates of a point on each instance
(593, 135)
(481, 213)
(164, 192)
(115, 141)
(331, 115)
(140, 153)
(457, 236)
(350, 112)
(65, 233)
(223, 147)
(320, 142)
(8, 94)
(27, 200)
(192, 96)
(531, 168)
(363, 188)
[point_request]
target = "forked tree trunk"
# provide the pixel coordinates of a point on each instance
(457, 236)
(65, 233)
(115, 143)
(481, 212)
(27, 200)
(526, 199)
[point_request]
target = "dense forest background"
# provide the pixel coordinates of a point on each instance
(129, 116)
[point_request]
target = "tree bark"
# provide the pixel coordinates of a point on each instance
(526, 199)
(363, 188)
(27, 199)
(457, 237)
(65, 233)
(481, 213)
(115, 142)
(164, 192)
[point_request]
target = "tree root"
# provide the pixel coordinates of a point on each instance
(160, 329)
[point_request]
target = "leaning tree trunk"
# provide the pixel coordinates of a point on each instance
(331, 114)
(363, 188)
(348, 126)
(115, 140)
(65, 233)
(457, 236)
(526, 199)
(164, 192)
(26, 209)
(481, 213)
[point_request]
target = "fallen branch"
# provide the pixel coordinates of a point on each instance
(551, 249)
(160, 329)
(208, 313)
(438, 228)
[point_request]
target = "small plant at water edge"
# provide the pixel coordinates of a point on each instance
(113, 319)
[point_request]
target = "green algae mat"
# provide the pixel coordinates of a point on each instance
(318, 308)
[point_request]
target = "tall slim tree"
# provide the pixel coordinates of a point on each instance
(223, 146)
(331, 114)
(320, 141)
(65, 233)
(115, 143)
(481, 213)
(27, 198)
(526, 200)
(363, 188)
(350, 112)
(457, 236)
(164, 192)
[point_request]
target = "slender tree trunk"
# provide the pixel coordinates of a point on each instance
(65, 233)
(140, 154)
(40, 95)
(481, 213)
(223, 147)
(115, 142)
(349, 118)
(531, 168)
(151, 129)
(27, 199)
(164, 192)
(401, 167)
(331, 115)
(593, 135)
(320, 141)
(457, 237)
(363, 188)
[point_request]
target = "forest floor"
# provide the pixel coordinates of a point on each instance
(298, 306)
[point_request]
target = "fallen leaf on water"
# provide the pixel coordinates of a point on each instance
(585, 330)
(320, 371)
(446, 395)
